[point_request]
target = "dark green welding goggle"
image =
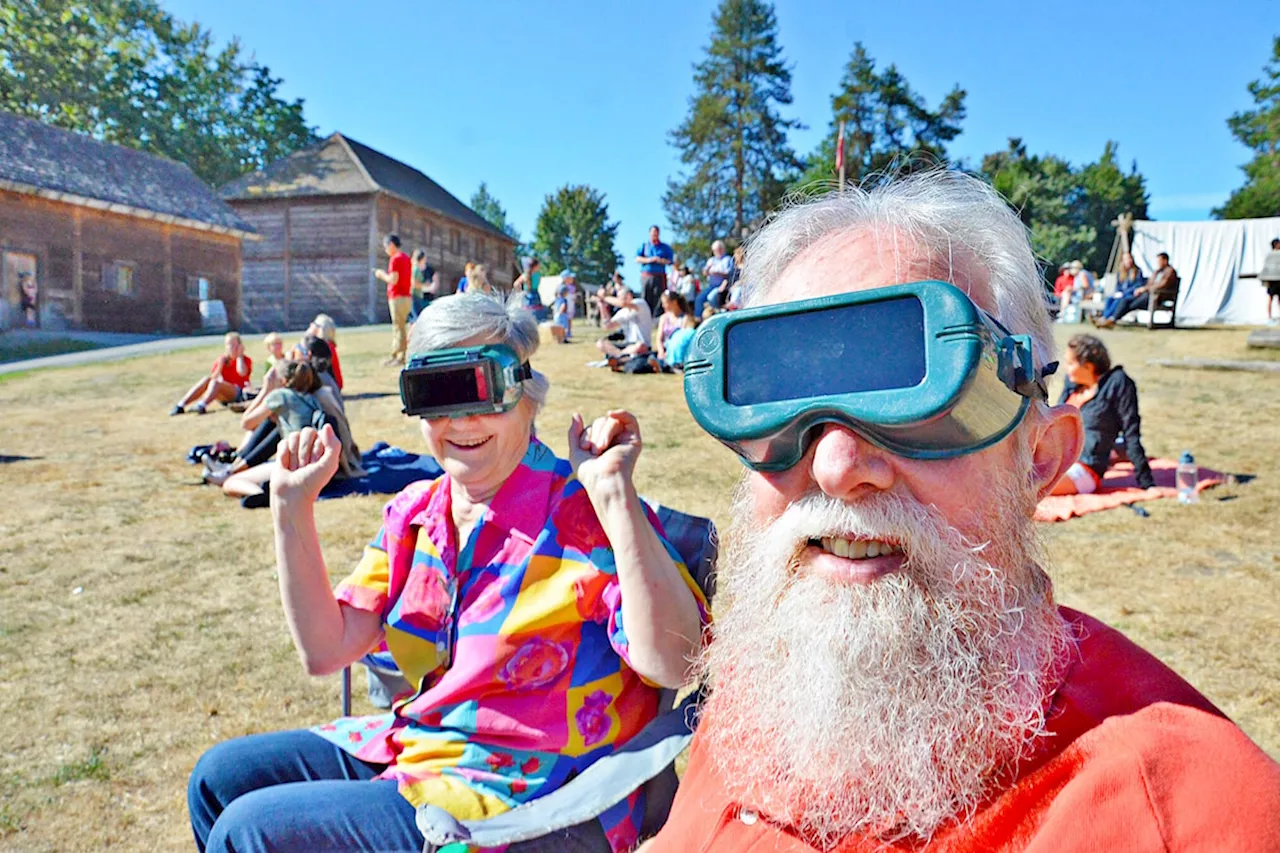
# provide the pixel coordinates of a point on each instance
(462, 381)
(916, 369)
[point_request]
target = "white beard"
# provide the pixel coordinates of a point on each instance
(888, 708)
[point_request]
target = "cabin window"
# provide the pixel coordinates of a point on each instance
(455, 241)
(118, 278)
(199, 287)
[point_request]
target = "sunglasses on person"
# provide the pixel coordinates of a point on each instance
(916, 369)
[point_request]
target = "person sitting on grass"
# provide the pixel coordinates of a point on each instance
(530, 600)
(677, 347)
(275, 352)
(1108, 404)
(262, 434)
(297, 405)
(612, 288)
(325, 328)
(674, 308)
(227, 382)
(635, 322)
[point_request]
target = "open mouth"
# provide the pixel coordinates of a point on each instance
(857, 549)
(465, 444)
(852, 561)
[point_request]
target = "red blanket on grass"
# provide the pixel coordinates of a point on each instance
(1119, 488)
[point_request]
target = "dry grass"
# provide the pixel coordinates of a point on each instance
(176, 640)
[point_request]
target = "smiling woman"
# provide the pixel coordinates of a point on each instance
(501, 589)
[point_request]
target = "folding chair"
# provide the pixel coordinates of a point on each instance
(647, 760)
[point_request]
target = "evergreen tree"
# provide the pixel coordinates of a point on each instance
(734, 143)
(1259, 129)
(1068, 211)
(888, 126)
(492, 211)
(573, 231)
(125, 71)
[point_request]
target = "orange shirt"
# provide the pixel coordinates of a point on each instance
(228, 370)
(1139, 761)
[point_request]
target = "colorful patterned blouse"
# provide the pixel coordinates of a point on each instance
(516, 641)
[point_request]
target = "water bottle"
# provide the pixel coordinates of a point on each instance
(1186, 479)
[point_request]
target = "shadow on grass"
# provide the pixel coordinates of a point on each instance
(5, 460)
(368, 395)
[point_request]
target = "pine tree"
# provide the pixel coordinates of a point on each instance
(491, 210)
(574, 232)
(1259, 129)
(734, 141)
(888, 126)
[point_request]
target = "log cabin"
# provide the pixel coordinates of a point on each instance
(322, 214)
(102, 237)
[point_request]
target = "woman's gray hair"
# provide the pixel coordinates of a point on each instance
(937, 211)
(450, 320)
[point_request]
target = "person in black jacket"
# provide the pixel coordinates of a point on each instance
(1108, 404)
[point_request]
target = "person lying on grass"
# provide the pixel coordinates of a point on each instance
(227, 382)
(530, 601)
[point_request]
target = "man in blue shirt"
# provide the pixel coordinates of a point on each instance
(653, 257)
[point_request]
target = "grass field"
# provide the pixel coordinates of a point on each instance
(19, 347)
(139, 614)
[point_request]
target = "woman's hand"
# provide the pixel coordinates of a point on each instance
(305, 463)
(604, 454)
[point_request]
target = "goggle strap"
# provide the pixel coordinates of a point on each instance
(523, 372)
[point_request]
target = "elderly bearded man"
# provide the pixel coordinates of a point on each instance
(889, 670)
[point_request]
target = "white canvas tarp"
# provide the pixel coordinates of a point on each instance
(1210, 257)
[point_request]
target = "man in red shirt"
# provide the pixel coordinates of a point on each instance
(888, 669)
(227, 382)
(399, 281)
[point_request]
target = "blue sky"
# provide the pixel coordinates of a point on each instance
(529, 96)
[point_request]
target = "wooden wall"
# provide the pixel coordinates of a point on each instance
(317, 255)
(313, 258)
(449, 245)
(66, 238)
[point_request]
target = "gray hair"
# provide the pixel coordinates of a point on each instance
(450, 320)
(715, 243)
(936, 210)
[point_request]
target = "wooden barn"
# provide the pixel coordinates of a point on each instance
(322, 214)
(98, 236)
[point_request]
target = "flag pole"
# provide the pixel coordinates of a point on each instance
(840, 156)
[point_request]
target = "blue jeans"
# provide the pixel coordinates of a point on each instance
(294, 790)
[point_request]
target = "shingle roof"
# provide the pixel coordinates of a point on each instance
(52, 161)
(340, 166)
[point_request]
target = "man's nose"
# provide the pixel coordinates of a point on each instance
(843, 463)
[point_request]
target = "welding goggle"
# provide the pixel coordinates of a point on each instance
(455, 383)
(916, 369)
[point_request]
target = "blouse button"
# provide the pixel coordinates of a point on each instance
(748, 817)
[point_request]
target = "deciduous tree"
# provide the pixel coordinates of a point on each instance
(1259, 129)
(127, 72)
(573, 231)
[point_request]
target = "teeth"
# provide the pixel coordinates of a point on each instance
(858, 549)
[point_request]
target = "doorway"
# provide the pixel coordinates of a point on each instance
(22, 290)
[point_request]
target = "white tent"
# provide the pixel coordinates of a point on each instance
(1210, 257)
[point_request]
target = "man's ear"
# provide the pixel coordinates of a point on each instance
(1059, 440)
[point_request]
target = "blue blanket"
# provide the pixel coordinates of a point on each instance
(389, 469)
